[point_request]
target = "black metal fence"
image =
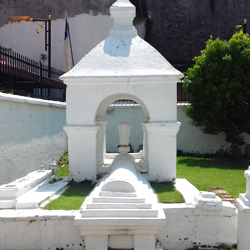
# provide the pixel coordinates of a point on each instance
(23, 76)
(182, 96)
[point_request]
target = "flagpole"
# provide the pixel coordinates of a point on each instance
(72, 57)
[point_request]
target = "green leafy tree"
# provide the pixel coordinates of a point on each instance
(219, 89)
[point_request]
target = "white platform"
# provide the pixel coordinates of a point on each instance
(35, 197)
(11, 191)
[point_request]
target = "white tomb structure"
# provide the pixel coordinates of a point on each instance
(122, 211)
(10, 192)
(123, 66)
(243, 203)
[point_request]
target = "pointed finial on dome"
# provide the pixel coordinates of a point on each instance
(123, 13)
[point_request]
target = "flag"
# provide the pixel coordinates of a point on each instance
(66, 46)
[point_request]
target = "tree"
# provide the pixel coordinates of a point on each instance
(219, 89)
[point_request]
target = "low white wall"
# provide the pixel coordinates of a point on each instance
(35, 230)
(42, 229)
(186, 225)
(31, 134)
(191, 139)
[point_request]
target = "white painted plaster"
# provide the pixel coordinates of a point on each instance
(125, 197)
(190, 139)
(123, 66)
(9, 193)
(208, 201)
(183, 225)
(117, 114)
(31, 132)
(243, 203)
(35, 197)
(39, 229)
(187, 190)
(82, 152)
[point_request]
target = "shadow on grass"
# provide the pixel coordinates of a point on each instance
(212, 163)
(167, 193)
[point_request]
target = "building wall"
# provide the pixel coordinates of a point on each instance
(89, 23)
(86, 31)
(31, 132)
(180, 28)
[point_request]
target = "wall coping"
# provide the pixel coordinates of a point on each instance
(36, 214)
(29, 100)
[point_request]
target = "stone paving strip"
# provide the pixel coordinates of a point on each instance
(225, 196)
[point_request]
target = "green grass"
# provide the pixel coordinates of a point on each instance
(166, 192)
(205, 172)
(63, 166)
(72, 198)
(201, 172)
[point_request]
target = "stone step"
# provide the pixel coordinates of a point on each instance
(36, 196)
(119, 213)
(118, 206)
(116, 194)
(118, 200)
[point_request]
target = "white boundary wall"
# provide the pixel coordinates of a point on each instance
(38, 229)
(51, 230)
(31, 134)
(189, 138)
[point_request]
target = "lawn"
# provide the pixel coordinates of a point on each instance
(201, 172)
(205, 172)
(63, 166)
(166, 192)
(72, 198)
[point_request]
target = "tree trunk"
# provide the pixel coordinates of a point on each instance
(235, 151)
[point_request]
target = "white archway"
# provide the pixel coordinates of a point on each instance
(104, 159)
(104, 104)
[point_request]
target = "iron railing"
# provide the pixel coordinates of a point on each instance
(23, 76)
(182, 96)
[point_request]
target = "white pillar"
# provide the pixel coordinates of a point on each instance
(101, 145)
(162, 150)
(243, 203)
(82, 151)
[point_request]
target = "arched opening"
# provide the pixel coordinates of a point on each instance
(124, 111)
(112, 111)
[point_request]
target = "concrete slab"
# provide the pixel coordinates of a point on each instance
(187, 190)
(11, 191)
(36, 196)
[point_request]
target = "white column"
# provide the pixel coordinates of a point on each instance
(82, 151)
(101, 144)
(243, 203)
(161, 146)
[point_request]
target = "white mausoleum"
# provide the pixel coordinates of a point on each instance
(123, 66)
